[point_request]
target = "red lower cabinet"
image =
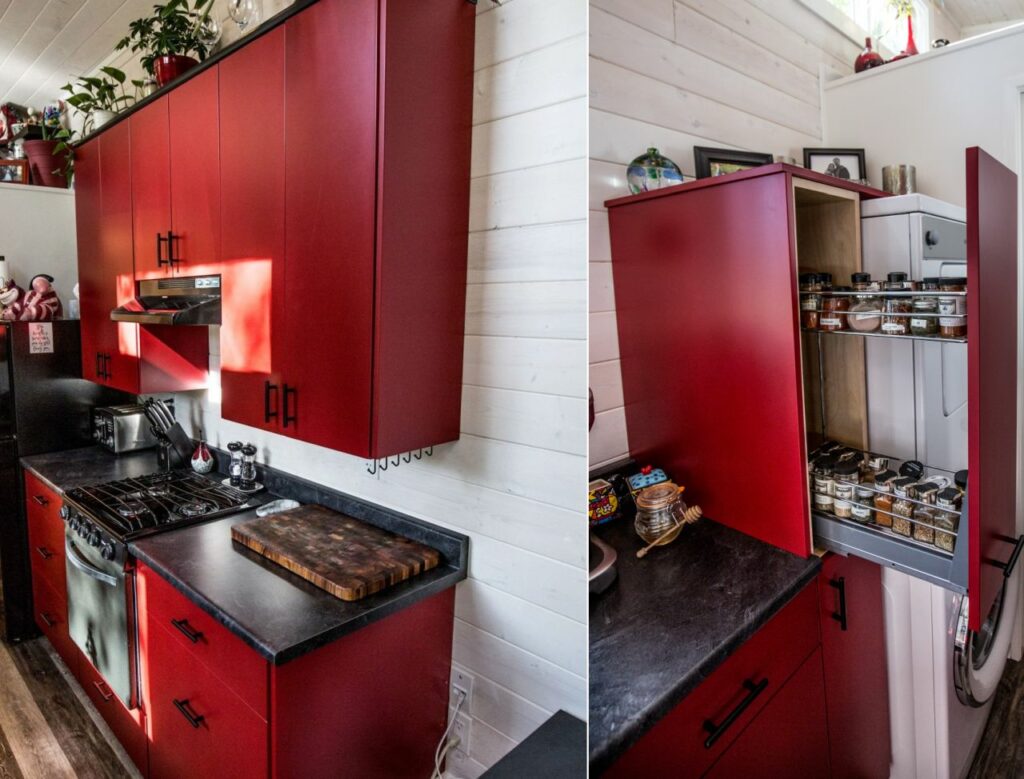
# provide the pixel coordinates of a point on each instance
(789, 738)
(129, 726)
(856, 683)
(51, 615)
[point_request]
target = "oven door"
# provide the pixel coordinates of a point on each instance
(98, 615)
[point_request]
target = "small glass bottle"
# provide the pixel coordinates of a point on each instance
(892, 323)
(884, 497)
(861, 282)
(925, 320)
(834, 310)
(952, 309)
(865, 314)
(902, 506)
(810, 301)
(863, 507)
(947, 516)
(822, 475)
(235, 466)
(248, 475)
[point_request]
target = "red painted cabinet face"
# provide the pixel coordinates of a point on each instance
(151, 188)
(252, 217)
(91, 276)
(330, 191)
(195, 174)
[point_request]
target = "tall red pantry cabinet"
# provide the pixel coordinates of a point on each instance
(329, 187)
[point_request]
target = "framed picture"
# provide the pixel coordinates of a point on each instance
(13, 171)
(719, 162)
(841, 163)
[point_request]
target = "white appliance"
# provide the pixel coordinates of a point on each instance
(942, 677)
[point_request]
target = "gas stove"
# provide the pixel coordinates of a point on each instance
(106, 516)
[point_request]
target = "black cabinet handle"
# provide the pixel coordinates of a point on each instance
(45, 553)
(103, 690)
(40, 500)
(172, 261)
(193, 718)
(840, 616)
(289, 417)
(717, 731)
(106, 367)
(1010, 564)
(46, 620)
(159, 251)
(187, 630)
(99, 369)
(267, 413)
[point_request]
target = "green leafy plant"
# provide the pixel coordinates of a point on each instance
(100, 93)
(65, 149)
(174, 28)
(902, 7)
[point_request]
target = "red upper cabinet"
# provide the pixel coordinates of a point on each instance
(151, 188)
(92, 277)
(195, 174)
(252, 246)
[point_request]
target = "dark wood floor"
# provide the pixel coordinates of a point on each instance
(48, 728)
(1001, 753)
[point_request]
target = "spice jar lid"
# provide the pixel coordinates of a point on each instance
(808, 278)
(948, 495)
(936, 280)
(912, 468)
(843, 289)
(658, 496)
(824, 278)
(894, 276)
(860, 278)
(960, 479)
(883, 478)
(954, 281)
(847, 468)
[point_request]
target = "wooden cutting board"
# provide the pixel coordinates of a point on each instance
(348, 558)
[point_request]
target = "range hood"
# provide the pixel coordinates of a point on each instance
(192, 300)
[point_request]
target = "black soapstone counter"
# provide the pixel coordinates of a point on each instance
(556, 749)
(672, 618)
(277, 613)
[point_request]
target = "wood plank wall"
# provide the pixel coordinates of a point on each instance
(514, 482)
(676, 74)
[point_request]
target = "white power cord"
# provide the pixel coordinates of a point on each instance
(444, 745)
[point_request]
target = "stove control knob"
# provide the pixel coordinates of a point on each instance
(107, 550)
(84, 528)
(94, 538)
(65, 513)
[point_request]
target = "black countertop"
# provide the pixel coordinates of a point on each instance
(277, 613)
(672, 618)
(556, 749)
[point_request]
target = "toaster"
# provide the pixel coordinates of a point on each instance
(122, 428)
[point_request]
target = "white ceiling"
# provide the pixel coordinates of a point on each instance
(968, 13)
(44, 43)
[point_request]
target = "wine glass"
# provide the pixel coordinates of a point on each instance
(209, 32)
(244, 12)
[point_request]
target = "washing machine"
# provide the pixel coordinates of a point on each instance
(942, 677)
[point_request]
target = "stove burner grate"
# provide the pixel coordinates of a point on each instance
(195, 508)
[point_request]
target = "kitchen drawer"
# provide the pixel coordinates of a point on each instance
(51, 615)
(42, 502)
(751, 675)
(224, 654)
(789, 738)
(197, 726)
(129, 726)
(46, 540)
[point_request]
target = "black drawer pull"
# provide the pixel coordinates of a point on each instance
(267, 413)
(106, 367)
(1010, 564)
(717, 731)
(186, 711)
(40, 500)
(159, 253)
(171, 259)
(45, 553)
(290, 417)
(46, 619)
(187, 630)
(103, 690)
(840, 616)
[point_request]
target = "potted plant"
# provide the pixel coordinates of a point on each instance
(99, 98)
(905, 8)
(167, 38)
(40, 151)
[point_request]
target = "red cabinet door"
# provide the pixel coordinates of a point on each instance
(121, 339)
(252, 216)
(992, 377)
(128, 725)
(330, 197)
(151, 187)
(788, 738)
(195, 173)
(91, 279)
(853, 651)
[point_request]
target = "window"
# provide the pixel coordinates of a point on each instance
(878, 19)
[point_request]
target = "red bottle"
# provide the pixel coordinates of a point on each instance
(911, 48)
(869, 58)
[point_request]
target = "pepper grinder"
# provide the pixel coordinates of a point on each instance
(235, 468)
(248, 475)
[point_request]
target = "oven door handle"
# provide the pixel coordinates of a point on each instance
(92, 572)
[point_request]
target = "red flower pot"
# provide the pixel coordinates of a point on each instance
(170, 66)
(42, 164)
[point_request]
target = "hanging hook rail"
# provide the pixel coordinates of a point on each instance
(373, 467)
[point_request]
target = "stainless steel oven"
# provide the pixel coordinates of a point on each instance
(101, 609)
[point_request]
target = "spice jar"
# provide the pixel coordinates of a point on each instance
(884, 497)
(834, 310)
(863, 507)
(925, 320)
(924, 524)
(902, 506)
(865, 314)
(892, 324)
(823, 502)
(947, 516)
(876, 463)
(847, 472)
(826, 281)
(658, 509)
(810, 300)
(897, 280)
(822, 476)
(952, 309)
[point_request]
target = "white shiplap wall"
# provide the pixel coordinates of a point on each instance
(515, 481)
(682, 73)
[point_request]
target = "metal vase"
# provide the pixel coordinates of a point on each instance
(899, 179)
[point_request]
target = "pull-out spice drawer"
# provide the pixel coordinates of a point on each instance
(224, 654)
(701, 728)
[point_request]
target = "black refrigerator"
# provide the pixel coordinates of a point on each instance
(45, 406)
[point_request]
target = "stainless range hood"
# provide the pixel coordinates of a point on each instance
(192, 300)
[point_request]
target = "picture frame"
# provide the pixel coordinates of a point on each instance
(710, 162)
(846, 164)
(14, 171)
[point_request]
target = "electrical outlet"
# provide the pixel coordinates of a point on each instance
(461, 682)
(461, 730)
